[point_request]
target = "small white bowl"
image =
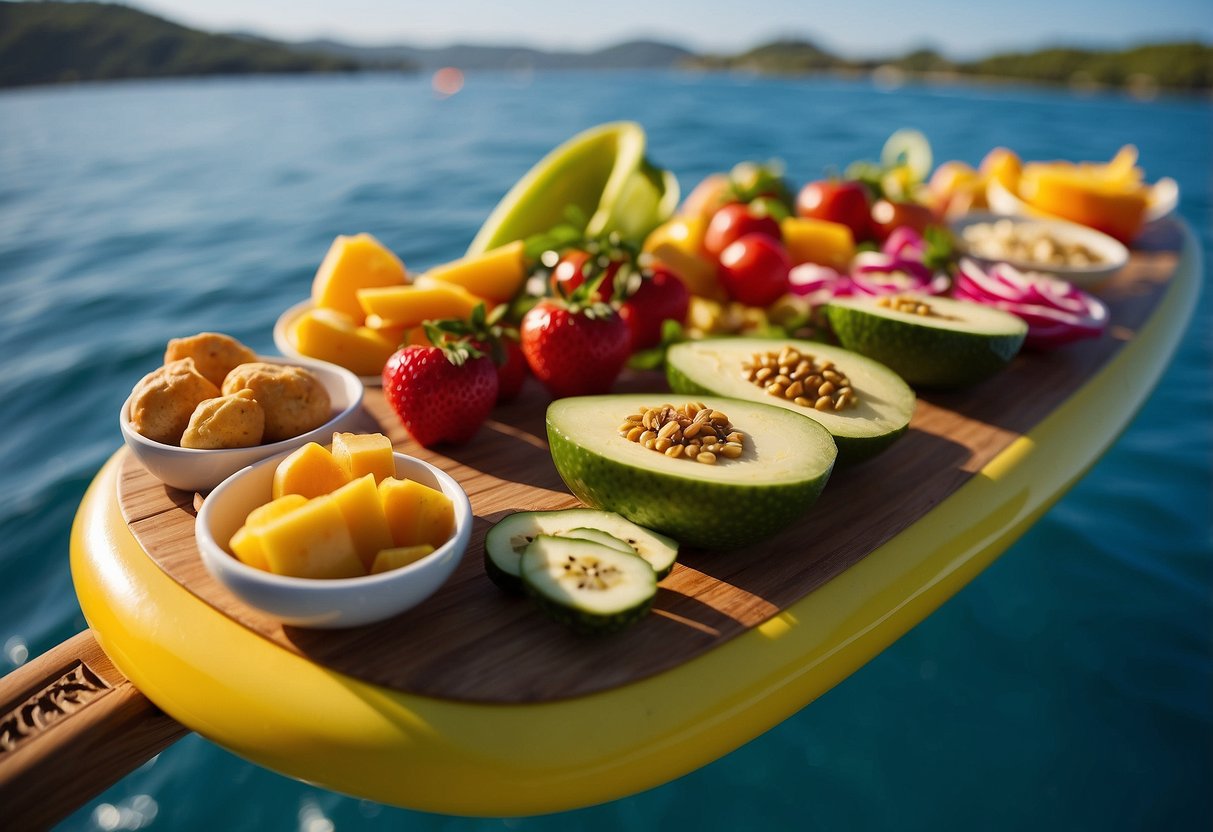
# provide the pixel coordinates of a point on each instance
(1113, 254)
(333, 602)
(282, 338)
(1162, 201)
(194, 469)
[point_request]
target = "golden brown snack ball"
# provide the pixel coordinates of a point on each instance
(293, 399)
(214, 353)
(235, 421)
(164, 400)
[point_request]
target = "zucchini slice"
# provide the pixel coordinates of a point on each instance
(588, 586)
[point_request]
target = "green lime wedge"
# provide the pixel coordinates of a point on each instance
(603, 173)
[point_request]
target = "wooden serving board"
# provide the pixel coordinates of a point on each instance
(470, 642)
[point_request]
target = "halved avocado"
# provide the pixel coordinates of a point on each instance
(958, 344)
(881, 414)
(601, 171)
(784, 466)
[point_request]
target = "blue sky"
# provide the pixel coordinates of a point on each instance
(852, 27)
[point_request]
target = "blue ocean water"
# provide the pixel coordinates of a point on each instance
(1070, 686)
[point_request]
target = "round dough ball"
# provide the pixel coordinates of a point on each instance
(294, 400)
(164, 400)
(214, 353)
(235, 421)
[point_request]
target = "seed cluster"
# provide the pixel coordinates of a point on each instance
(592, 574)
(693, 431)
(797, 377)
(911, 306)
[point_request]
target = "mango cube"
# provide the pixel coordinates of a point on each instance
(354, 263)
(408, 306)
(246, 543)
(312, 541)
(818, 241)
(416, 513)
(364, 453)
(363, 512)
(496, 275)
(389, 559)
(335, 337)
(310, 471)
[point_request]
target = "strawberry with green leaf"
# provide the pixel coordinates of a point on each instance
(442, 393)
(575, 345)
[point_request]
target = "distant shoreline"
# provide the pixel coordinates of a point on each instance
(44, 43)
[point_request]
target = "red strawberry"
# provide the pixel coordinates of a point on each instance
(574, 350)
(512, 373)
(658, 298)
(440, 394)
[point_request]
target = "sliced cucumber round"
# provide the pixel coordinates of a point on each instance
(505, 542)
(590, 587)
(599, 536)
(908, 147)
(881, 414)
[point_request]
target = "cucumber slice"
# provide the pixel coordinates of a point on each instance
(908, 147)
(599, 536)
(590, 587)
(505, 542)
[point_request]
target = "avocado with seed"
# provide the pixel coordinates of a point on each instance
(929, 341)
(878, 413)
(784, 463)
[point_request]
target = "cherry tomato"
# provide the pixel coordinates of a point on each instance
(754, 270)
(660, 297)
(837, 201)
(887, 216)
(570, 273)
(734, 221)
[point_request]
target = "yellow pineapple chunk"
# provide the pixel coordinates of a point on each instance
(416, 513)
(334, 337)
(389, 559)
(360, 505)
(810, 240)
(312, 541)
(246, 543)
(364, 453)
(354, 263)
(310, 471)
(408, 306)
(496, 275)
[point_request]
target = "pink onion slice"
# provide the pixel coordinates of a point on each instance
(818, 284)
(905, 242)
(1056, 312)
(878, 273)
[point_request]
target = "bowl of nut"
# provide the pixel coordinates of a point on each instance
(215, 407)
(1081, 255)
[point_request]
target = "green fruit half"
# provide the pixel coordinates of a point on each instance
(594, 589)
(603, 173)
(881, 413)
(958, 344)
(508, 539)
(785, 464)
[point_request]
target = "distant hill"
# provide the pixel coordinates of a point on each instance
(637, 54)
(50, 42)
(1179, 66)
(46, 43)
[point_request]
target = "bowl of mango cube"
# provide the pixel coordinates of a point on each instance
(336, 536)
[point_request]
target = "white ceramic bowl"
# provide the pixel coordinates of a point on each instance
(1163, 200)
(1113, 254)
(193, 469)
(325, 603)
(282, 338)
